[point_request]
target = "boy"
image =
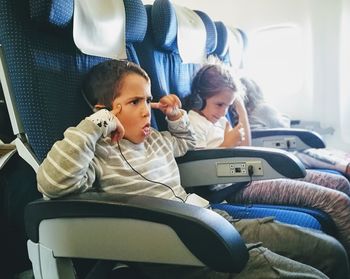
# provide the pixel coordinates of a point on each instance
(115, 150)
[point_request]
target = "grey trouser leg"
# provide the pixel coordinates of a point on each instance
(265, 264)
(310, 247)
(262, 264)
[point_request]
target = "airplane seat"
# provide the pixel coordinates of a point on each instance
(290, 139)
(41, 72)
(286, 139)
(225, 51)
(6, 133)
(231, 45)
(160, 57)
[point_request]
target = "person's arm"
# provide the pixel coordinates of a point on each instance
(200, 127)
(232, 136)
(182, 135)
(268, 117)
(69, 165)
(243, 119)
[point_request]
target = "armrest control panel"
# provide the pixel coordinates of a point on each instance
(288, 143)
(240, 168)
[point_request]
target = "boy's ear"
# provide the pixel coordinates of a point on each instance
(118, 108)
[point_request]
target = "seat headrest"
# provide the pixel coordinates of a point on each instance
(231, 44)
(222, 40)
(56, 13)
(59, 14)
(100, 26)
(212, 36)
(236, 47)
(174, 26)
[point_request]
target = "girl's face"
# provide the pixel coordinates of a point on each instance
(217, 105)
(134, 106)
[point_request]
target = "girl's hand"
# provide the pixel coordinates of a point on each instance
(233, 136)
(170, 105)
(109, 124)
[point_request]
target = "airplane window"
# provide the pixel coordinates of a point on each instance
(277, 58)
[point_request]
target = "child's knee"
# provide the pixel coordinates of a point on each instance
(250, 229)
(264, 263)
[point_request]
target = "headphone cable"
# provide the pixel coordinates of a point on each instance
(145, 178)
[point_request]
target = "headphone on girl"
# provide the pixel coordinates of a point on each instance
(197, 102)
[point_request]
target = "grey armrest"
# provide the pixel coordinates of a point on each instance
(287, 139)
(135, 228)
(206, 167)
(314, 126)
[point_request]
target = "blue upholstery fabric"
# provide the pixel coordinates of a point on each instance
(210, 28)
(58, 13)
(164, 22)
(306, 217)
(222, 50)
(60, 66)
(222, 47)
(281, 214)
(158, 54)
(136, 21)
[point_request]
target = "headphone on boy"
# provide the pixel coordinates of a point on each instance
(98, 107)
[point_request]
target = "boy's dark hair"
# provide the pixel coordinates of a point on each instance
(101, 84)
(209, 80)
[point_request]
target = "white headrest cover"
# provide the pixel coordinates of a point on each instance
(99, 27)
(191, 36)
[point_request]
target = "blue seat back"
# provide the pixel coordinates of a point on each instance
(231, 45)
(159, 55)
(45, 67)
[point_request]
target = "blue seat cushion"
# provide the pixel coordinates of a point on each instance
(305, 217)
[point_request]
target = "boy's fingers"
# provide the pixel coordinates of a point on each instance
(175, 101)
(118, 134)
(155, 105)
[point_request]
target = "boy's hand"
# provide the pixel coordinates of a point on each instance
(109, 124)
(170, 106)
(233, 136)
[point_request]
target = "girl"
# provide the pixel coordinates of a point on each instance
(213, 94)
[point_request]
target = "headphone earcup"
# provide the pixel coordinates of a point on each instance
(197, 102)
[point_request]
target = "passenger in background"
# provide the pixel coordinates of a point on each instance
(115, 150)
(215, 87)
(263, 115)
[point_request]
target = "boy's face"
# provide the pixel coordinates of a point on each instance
(217, 105)
(134, 106)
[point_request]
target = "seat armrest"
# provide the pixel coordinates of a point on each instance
(314, 126)
(287, 139)
(196, 235)
(205, 167)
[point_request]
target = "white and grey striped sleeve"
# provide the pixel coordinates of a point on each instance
(68, 166)
(181, 135)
